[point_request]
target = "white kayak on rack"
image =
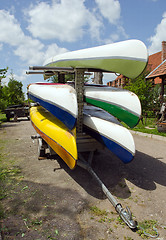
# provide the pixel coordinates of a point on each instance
(107, 130)
(121, 103)
(127, 57)
(58, 99)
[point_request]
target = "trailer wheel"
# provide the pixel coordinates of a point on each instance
(41, 150)
(8, 117)
(15, 118)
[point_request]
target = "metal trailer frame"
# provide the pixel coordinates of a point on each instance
(84, 142)
(16, 111)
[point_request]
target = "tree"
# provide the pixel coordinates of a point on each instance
(2, 99)
(68, 77)
(12, 94)
(156, 99)
(143, 89)
(3, 74)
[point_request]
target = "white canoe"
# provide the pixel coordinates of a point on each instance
(121, 103)
(127, 57)
(107, 130)
(58, 99)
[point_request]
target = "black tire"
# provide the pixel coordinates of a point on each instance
(15, 118)
(8, 117)
(41, 150)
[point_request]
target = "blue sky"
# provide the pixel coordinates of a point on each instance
(31, 31)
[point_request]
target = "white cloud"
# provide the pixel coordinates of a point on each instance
(114, 37)
(10, 31)
(22, 76)
(53, 50)
(159, 36)
(110, 9)
(30, 50)
(63, 20)
(121, 31)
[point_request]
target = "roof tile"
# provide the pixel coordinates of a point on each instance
(158, 71)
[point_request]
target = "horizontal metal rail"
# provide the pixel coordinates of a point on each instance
(51, 68)
(47, 73)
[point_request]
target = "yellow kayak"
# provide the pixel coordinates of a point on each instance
(56, 134)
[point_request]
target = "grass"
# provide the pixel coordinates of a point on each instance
(98, 212)
(147, 229)
(2, 117)
(17, 201)
(8, 176)
(148, 126)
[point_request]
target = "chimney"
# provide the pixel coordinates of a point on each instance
(163, 54)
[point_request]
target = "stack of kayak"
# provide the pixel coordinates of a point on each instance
(56, 115)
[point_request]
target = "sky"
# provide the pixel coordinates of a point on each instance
(32, 31)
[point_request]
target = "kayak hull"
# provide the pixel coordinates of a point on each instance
(56, 134)
(108, 131)
(58, 99)
(128, 58)
(122, 104)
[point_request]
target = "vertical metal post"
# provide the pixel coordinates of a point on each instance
(61, 78)
(79, 87)
(98, 77)
(162, 89)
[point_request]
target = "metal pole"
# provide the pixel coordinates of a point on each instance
(61, 78)
(126, 215)
(79, 87)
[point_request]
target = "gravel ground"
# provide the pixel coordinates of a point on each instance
(50, 201)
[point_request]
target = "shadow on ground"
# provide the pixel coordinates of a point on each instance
(39, 211)
(144, 172)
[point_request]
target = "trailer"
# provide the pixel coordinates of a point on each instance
(16, 111)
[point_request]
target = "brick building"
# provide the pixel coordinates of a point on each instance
(158, 74)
